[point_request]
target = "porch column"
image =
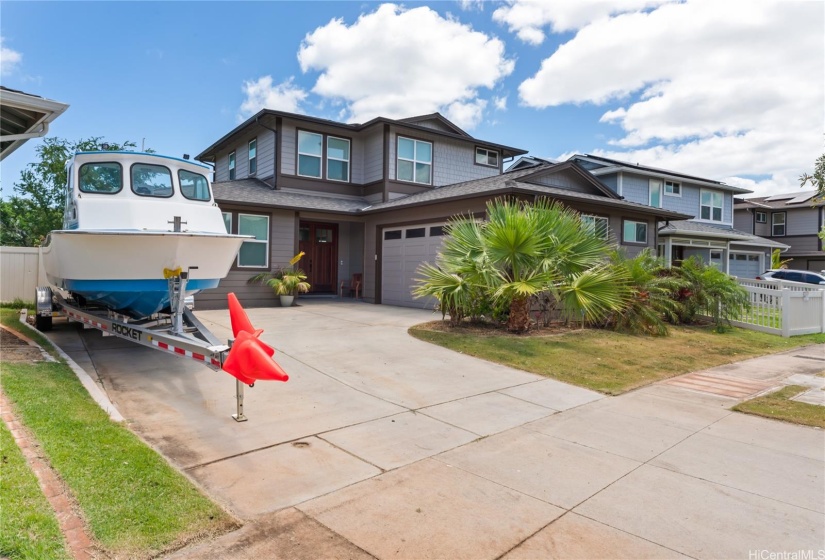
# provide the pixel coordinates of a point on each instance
(726, 266)
(668, 252)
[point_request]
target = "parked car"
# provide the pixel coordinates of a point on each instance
(804, 276)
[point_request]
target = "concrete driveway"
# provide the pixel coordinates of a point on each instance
(384, 446)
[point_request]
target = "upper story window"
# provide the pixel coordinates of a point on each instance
(761, 217)
(778, 220)
(415, 161)
(151, 180)
(193, 186)
(710, 206)
(486, 157)
(103, 178)
(310, 152)
(253, 156)
(232, 166)
(655, 193)
(338, 156)
(597, 225)
(673, 188)
(634, 232)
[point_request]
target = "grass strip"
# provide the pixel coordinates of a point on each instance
(611, 362)
(779, 406)
(28, 526)
(136, 504)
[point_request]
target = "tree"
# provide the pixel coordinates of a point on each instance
(817, 180)
(37, 206)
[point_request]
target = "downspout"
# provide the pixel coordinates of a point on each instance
(44, 130)
(275, 161)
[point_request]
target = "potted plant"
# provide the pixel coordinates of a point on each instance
(285, 282)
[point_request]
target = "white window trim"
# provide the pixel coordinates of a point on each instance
(712, 221)
(650, 191)
(677, 195)
(595, 218)
(266, 242)
(232, 165)
(784, 224)
(487, 155)
(299, 154)
(764, 214)
(414, 160)
(634, 242)
(250, 159)
(349, 161)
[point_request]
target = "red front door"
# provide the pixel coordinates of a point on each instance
(320, 243)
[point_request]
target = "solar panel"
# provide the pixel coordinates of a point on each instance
(804, 197)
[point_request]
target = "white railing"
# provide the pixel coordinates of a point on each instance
(783, 308)
(20, 273)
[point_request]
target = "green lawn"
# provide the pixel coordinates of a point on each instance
(610, 362)
(28, 527)
(778, 405)
(135, 503)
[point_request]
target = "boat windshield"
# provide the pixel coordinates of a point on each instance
(151, 180)
(102, 177)
(193, 186)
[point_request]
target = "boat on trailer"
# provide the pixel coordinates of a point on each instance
(141, 234)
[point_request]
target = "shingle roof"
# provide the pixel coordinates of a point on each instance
(698, 229)
(783, 201)
(253, 191)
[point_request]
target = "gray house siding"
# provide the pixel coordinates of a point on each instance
(634, 188)
(743, 221)
(288, 131)
(612, 181)
(374, 156)
(566, 180)
(802, 221)
(265, 154)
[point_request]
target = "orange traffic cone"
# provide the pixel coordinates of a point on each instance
(240, 320)
(250, 360)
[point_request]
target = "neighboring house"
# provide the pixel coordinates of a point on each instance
(24, 116)
(710, 231)
(372, 198)
(792, 218)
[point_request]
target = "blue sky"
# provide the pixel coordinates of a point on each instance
(728, 90)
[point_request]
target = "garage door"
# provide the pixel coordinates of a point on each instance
(404, 249)
(743, 265)
(816, 266)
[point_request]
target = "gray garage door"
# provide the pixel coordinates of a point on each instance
(816, 266)
(404, 249)
(744, 265)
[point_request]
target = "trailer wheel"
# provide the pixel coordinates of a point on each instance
(43, 324)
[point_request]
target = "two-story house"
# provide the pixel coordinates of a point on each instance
(371, 199)
(710, 231)
(794, 219)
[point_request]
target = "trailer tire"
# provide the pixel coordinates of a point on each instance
(43, 324)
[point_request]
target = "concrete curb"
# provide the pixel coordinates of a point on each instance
(93, 389)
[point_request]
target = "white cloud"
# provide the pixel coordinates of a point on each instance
(526, 18)
(261, 94)
(720, 89)
(398, 63)
(470, 5)
(9, 59)
(500, 103)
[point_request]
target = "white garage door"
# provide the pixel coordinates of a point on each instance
(404, 249)
(744, 265)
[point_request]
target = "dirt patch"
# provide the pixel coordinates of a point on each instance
(15, 349)
(489, 329)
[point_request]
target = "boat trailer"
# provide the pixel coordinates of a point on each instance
(178, 332)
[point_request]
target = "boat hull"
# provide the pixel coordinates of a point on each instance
(126, 270)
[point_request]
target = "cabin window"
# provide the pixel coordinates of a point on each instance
(253, 156)
(486, 157)
(673, 189)
(101, 178)
(597, 225)
(761, 217)
(711, 206)
(338, 151)
(193, 186)
(778, 224)
(634, 232)
(310, 152)
(232, 166)
(151, 180)
(227, 221)
(254, 253)
(415, 161)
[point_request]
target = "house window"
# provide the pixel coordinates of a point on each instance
(778, 224)
(710, 206)
(227, 221)
(415, 161)
(673, 189)
(655, 193)
(486, 157)
(254, 252)
(338, 151)
(634, 232)
(232, 166)
(310, 151)
(597, 225)
(761, 217)
(253, 156)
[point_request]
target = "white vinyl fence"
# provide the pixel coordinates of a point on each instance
(20, 273)
(783, 308)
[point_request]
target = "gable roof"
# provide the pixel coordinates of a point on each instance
(528, 161)
(782, 201)
(412, 123)
(553, 168)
